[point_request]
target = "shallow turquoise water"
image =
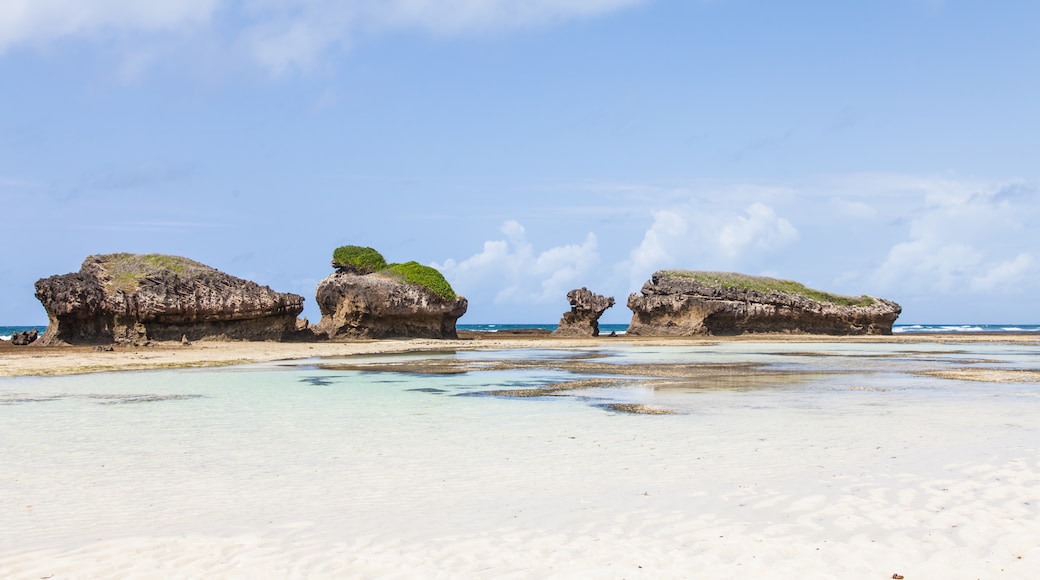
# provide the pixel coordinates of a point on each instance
(277, 391)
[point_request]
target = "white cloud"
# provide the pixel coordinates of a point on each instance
(41, 21)
(966, 239)
(689, 236)
(929, 264)
(463, 16)
(1004, 276)
(762, 230)
(853, 209)
(658, 248)
(280, 35)
(514, 273)
(294, 35)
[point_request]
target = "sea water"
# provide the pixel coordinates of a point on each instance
(6, 331)
(912, 328)
(896, 329)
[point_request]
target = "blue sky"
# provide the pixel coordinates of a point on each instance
(525, 148)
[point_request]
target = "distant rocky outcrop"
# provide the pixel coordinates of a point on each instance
(583, 318)
(136, 298)
(24, 337)
(686, 303)
(368, 298)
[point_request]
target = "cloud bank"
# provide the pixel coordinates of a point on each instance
(912, 239)
(279, 35)
(518, 273)
(514, 272)
(692, 237)
(967, 239)
(42, 21)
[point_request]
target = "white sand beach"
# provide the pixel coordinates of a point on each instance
(867, 469)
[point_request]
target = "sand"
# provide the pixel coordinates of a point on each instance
(49, 361)
(922, 461)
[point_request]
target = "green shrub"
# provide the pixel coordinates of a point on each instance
(358, 257)
(367, 261)
(766, 285)
(416, 273)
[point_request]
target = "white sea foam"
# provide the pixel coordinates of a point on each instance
(909, 328)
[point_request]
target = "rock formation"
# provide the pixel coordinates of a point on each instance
(136, 298)
(366, 298)
(583, 318)
(685, 303)
(24, 337)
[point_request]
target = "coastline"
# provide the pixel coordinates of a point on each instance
(19, 361)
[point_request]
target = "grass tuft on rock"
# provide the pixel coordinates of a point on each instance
(127, 270)
(416, 273)
(766, 285)
(360, 258)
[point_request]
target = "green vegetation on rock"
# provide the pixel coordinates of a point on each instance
(359, 257)
(416, 273)
(766, 285)
(127, 270)
(369, 261)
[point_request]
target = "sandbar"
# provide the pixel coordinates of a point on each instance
(63, 360)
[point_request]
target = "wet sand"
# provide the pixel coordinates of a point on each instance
(63, 360)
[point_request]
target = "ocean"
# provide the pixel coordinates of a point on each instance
(896, 329)
(603, 328)
(5, 331)
(910, 328)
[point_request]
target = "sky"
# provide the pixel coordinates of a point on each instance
(527, 148)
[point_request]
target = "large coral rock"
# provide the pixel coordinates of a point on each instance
(683, 303)
(135, 298)
(583, 318)
(374, 305)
